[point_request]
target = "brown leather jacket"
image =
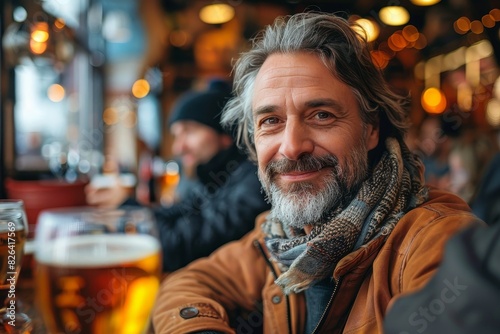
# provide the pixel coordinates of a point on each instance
(233, 290)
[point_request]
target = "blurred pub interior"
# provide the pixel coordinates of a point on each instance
(82, 80)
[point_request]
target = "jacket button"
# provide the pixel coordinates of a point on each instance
(276, 299)
(189, 312)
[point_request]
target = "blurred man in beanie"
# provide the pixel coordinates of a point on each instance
(198, 136)
(226, 198)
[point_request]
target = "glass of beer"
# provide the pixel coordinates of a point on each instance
(13, 233)
(97, 270)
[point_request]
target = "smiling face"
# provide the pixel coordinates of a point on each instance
(310, 140)
(196, 143)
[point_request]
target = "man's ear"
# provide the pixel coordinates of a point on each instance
(226, 141)
(372, 136)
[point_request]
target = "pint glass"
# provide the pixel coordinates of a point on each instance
(98, 270)
(13, 232)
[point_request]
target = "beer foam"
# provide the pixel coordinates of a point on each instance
(97, 250)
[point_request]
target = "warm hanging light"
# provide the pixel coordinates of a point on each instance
(59, 23)
(217, 13)
(40, 32)
(421, 42)
(476, 27)
(462, 25)
(493, 112)
(37, 47)
(410, 33)
(110, 116)
(495, 13)
(140, 88)
(38, 37)
(380, 58)
(424, 2)
(394, 15)
(367, 28)
(464, 96)
(56, 93)
(397, 42)
(433, 100)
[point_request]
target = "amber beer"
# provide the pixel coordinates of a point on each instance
(98, 284)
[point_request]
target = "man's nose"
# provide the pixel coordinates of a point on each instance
(178, 146)
(296, 140)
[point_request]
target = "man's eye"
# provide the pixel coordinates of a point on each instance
(323, 115)
(271, 120)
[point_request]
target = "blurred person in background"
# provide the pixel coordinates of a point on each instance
(352, 225)
(486, 200)
(463, 170)
(226, 196)
(433, 147)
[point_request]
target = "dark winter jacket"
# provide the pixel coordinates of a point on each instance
(222, 209)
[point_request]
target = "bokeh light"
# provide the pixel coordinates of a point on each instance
(394, 15)
(421, 42)
(140, 88)
(410, 33)
(40, 32)
(110, 116)
(217, 13)
(493, 112)
(433, 100)
(476, 27)
(495, 13)
(462, 25)
(367, 28)
(424, 2)
(56, 93)
(380, 58)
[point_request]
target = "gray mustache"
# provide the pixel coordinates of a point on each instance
(303, 164)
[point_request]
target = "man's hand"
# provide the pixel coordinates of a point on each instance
(109, 196)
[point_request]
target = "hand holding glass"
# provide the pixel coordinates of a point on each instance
(98, 270)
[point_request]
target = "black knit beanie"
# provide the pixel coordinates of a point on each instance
(204, 107)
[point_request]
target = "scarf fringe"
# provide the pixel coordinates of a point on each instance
(294, 284)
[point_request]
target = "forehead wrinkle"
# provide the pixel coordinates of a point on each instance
(286, 79)
(272, 80)
(269, 74)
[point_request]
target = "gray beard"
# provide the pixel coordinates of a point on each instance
(306, 204)
(304, 207)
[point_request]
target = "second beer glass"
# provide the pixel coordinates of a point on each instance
(97, 270)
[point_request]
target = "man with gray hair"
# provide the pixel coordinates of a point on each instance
(352, 225)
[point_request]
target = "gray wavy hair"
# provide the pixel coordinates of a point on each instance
(344, 51)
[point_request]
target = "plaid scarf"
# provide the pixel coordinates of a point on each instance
(394, 188)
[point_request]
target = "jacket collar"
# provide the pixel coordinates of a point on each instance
(361, 260)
